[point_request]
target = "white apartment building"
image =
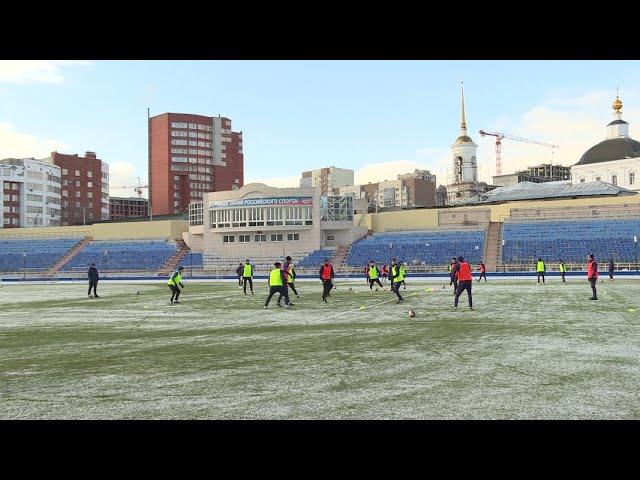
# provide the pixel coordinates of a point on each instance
(31, 193)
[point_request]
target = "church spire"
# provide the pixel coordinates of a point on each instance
(618, 127)
(463, 123)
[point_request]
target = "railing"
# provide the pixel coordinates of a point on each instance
(623, 214)
(455, 228)
(571, 267)
(36, 273)
(38, 236)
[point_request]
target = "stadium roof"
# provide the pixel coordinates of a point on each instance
(534, 191)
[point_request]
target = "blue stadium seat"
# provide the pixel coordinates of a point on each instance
(315, 258)
(428, 247)
(41, 253)
(123, 255)
(570, 241)
(192, 259)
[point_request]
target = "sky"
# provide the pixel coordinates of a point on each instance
(379, 118)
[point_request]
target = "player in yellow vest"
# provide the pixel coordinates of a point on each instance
(373, 273)
(247, 276)
(174, 280)
(396, 279)
(277, 280)
(563, 270)
(540, 268)
(403, 273)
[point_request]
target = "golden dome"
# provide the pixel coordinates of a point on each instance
(617, 105)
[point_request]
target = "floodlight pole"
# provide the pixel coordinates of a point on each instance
(504, 268)
(635, 243)
(24, 265)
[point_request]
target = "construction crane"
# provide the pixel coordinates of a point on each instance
(137, 189)
(499, 136)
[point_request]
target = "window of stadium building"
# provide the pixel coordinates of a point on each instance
(195, 213)
(336, 209)
(260, 217)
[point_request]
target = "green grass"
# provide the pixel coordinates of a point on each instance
(527, 351)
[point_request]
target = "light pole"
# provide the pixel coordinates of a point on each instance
(504, 267)
(635, 244)
(105, 262)
(24, 264)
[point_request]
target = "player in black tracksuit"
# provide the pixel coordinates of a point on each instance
(453, 277)
(239, 271)
(93, 280)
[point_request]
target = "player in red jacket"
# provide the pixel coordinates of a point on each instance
(483, 272)
(465, 279)
(326, 275)
(592, 274)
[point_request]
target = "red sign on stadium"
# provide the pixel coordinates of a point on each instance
(255, 202)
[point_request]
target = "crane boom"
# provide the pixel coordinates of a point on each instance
(499, 136)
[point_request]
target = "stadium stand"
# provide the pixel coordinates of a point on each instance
(192, 259)
(36, 254)
(123, 255)
(314, 259)
(424, 247)
(570, 241)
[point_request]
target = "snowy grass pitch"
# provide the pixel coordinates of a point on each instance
(527, 351)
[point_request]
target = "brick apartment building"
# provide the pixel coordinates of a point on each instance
(84, 187)
(189, 156)
(124, 207)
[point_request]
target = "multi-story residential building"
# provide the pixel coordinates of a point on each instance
(30, 193)
(84, 187)
(190, 155)
(328, 179)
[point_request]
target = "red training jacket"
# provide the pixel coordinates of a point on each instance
(326, 271)
(592, 269)
(465, 272)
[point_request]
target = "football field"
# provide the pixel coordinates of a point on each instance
(527, 351)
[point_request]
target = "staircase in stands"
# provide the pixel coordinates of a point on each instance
(340, 255)
(493, 246)
(176, 258)
(68, 256)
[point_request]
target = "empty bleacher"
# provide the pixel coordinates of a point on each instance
(123, 255)
(192, 259)
(33, 253)
(420, 247)
(569, 240)
(314, 259)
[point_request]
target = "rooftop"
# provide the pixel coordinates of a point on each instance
(547, 190)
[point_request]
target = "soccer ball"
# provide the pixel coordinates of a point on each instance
(412, 313)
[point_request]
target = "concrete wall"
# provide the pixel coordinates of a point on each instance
(430, 218)
(169, 229)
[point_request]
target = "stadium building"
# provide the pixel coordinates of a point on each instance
(262, 222)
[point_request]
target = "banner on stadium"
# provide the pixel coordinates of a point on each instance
(258, 202)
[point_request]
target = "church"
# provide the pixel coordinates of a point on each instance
(465, 166)
(615, 160)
